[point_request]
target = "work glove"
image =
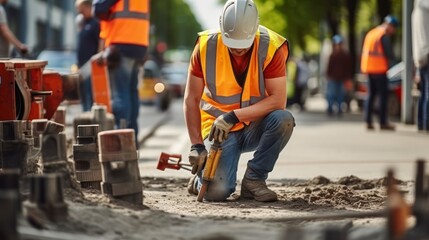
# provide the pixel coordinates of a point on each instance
(197, 157)
(222, 125)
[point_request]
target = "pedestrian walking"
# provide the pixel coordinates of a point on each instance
(126, 38)
(6, 35)
(420, 36)
(236, 95)
(377, 57)
(339, 71)
(87, 46)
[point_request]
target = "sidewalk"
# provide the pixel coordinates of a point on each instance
(336, 147)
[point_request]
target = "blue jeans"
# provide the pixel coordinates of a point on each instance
(378, 84)
(423, 107)
(268, 137)
(335, 95)
(125, 100)
(85, 89)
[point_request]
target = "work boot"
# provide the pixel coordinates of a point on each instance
(192, 185)
(258, 190)
(369, 126)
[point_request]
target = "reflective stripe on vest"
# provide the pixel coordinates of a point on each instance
(129, 23)
(126, 13)
(373, 59)
(222, 93)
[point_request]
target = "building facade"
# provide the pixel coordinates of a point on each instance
(43, 24)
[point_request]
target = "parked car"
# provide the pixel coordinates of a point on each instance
(152, 87)
(62, 61)
(175, 74)
(395, 90)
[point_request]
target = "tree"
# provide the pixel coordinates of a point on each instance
(173, 22)
(384, 8)
(299, 21)
(351, 6)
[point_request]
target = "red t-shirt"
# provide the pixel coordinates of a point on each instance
(276, 68)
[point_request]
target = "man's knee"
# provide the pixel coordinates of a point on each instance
(217, 192)
(282, 119)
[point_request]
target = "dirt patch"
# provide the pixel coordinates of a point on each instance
(170, 212)
(347, 192)
(318, 194)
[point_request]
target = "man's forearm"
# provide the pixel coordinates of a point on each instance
(276, 100)
(193, 121)
(10, 36)
(260, 109)
(388, 50)
(101, 45)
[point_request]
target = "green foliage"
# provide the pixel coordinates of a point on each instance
(173, 22)
(366, 16)
(305, 23)
(297, 20)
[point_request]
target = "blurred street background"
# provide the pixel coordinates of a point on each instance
(49, 29)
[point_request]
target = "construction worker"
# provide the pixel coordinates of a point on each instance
(6, 35)
(236, 94)
(338, 72)
(87, 46)
(377, 57)
(125, 30)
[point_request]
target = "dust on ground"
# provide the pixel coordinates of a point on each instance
(295, 198)
(170, 212)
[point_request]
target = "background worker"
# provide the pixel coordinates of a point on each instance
(126, 40)
(339, 71)
(377, 58)
(87, 46)
(6, 35)
(420, 36)
(242, 101)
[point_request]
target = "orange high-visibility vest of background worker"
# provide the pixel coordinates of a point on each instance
(373, 59)
(128, 23)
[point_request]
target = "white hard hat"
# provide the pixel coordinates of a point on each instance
(239, 22)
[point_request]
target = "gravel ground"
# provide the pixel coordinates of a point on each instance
(170, 212)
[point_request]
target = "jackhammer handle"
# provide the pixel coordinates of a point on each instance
(202, 191)
(212, 161)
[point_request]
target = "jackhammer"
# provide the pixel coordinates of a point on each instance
(210, 168)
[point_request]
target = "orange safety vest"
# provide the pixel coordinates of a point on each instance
(373, 60)
(128, 23)
(222, 93)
